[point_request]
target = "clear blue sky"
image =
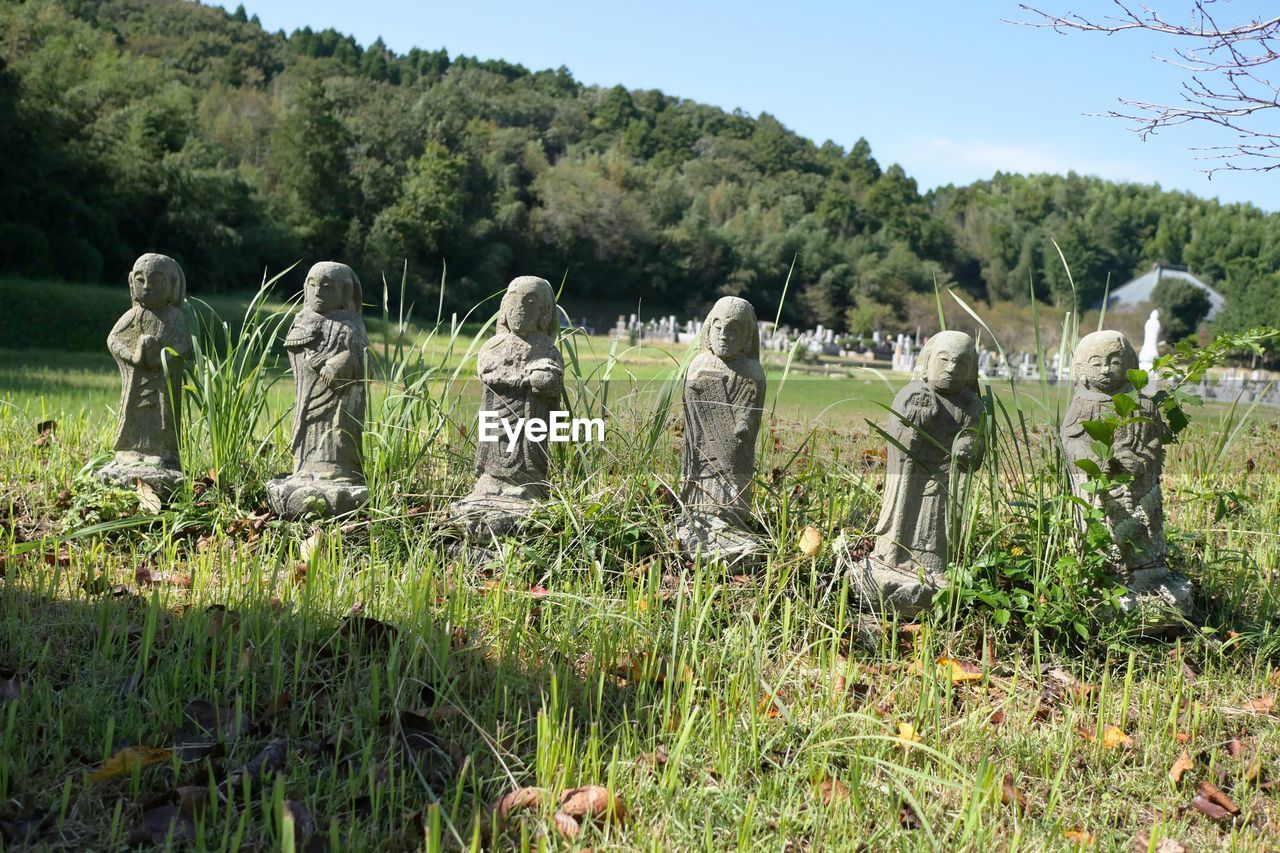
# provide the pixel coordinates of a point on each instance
(944, 87)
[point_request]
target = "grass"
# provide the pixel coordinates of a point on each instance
(382, 695)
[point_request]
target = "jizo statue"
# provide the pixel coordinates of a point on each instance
(326, 346)
(1133, 505)
(523, 376)
(723, 401)
(151, 343)
(938, 442)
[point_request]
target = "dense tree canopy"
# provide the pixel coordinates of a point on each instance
(135, 125)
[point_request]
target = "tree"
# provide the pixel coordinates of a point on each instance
(1227, 86)
(1183, 306)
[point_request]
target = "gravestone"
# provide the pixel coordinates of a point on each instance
(151, 344)
(1133, 507)
(723, 402)
(937, 424)
(326, 346)
(523, 376)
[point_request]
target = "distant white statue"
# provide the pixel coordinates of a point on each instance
(1150, 341)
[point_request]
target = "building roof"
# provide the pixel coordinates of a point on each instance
(1137, 292)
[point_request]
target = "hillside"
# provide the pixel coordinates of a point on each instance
(132, 125)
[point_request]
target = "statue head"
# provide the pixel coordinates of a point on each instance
(948, 361)
(156, 281)
(330, 287)
(1155, 314)
(1102, 360)
(528, 308)
(730, 330)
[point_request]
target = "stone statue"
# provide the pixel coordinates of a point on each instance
(523, 377)
(938, 420)
(723, 401)
(151, 343)
(1133, 509)
(326, 346)
(1150, 340)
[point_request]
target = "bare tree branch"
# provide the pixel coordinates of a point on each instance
(1227, 87)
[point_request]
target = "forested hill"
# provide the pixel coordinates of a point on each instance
(132, 125)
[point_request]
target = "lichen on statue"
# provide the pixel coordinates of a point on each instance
(326, 345)
(724, 390)
(151, 344)
(1132, 505)
(522, 372)
(937, 432)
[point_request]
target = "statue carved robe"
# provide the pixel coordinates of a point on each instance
(523, 376)
(151, 344)
(327, 355)
(938, 420)
(724, 390)
(326, 346)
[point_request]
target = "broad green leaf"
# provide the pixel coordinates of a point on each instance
(1138, 378)
(1089, 467)
(1103, 431)
(1124, 403)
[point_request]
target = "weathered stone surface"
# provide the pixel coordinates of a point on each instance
(151, 343)
(326, 346)
(523, 376)
(724, 391)
(1133, 510)
(938, 422)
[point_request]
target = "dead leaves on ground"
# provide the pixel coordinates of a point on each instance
(575, 808)
(810, 541)
(126, 760)
(1211, 802)
(1180, 767)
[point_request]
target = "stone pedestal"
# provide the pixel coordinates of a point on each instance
(295, 496)
(164, 476)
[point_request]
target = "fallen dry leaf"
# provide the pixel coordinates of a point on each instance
(517, 801)
(148, 501)
(123, 762)
(591, 801)
(907, 733)
(958, 671)
(810, 541)
(833, 791)
(1010, 795)
(566, 826)
(1214, 794)
(1181, 766)
(1113, 737)
(1261, 705)
(1079, 837)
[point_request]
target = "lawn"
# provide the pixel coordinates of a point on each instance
(210, 676)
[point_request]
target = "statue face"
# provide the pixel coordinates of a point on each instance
(951, 368)
(523, 311)
(720, 338)
(1106, 372)
(150, 288)
(323, 293)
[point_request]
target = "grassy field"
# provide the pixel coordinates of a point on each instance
(210, 677)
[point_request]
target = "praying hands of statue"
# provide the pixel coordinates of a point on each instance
(544, 378)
